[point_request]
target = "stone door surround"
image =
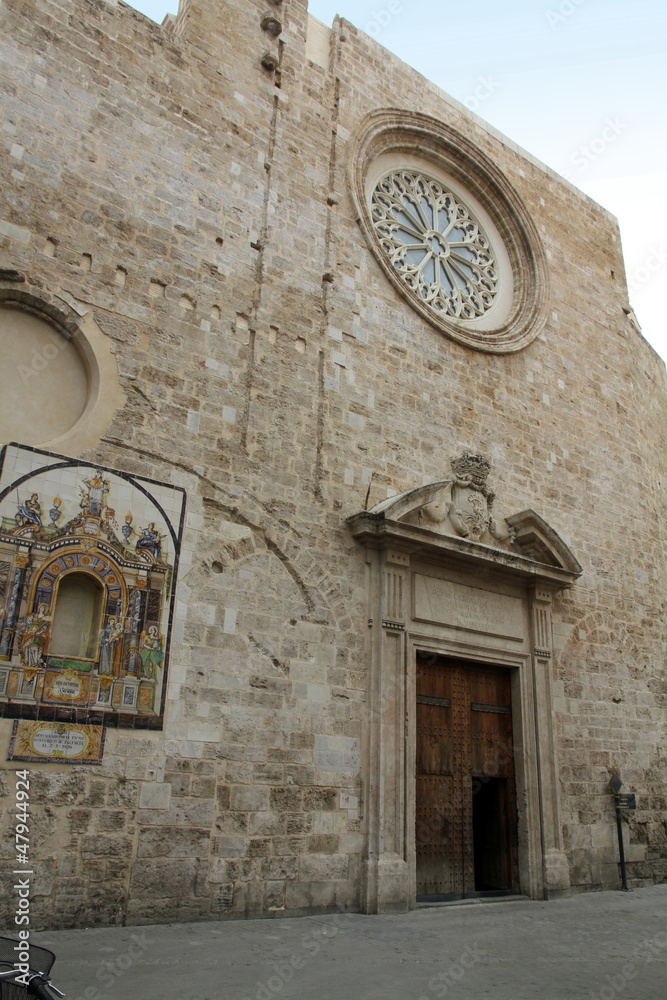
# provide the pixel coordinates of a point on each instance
(445, 594)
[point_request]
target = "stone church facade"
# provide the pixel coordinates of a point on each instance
(332, 529)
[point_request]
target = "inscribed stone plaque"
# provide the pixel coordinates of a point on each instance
(446, 603)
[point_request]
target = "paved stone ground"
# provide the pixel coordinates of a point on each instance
(599, 945)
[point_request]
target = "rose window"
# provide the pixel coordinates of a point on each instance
(435, 244)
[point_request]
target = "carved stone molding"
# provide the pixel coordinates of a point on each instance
(556, 873)
(433, 588)
(76, 324)
(453, 519)
(447, 154)
(377, 530)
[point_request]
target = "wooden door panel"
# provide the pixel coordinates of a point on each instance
(438, 836)
(435, 753)
(464, 749)
(491, 738)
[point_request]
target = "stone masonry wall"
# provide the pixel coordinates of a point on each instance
(198, 205)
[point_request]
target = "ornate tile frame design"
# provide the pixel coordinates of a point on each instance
(122, 678)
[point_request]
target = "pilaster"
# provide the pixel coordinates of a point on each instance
(555, 864)
(386, 883)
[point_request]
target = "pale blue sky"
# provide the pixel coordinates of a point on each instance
(578, 83)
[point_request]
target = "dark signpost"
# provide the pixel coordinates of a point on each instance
(621, 802)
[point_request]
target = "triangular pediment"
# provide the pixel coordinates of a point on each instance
(538, 540)
(426, 521)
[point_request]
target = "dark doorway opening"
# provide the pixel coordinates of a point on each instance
(490, 834)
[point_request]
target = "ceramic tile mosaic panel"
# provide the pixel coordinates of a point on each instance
(88, 563)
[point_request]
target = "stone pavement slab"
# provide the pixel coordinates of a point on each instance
(595, 946)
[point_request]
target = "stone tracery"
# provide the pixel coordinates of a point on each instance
(435, 243)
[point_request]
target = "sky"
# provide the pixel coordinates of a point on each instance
(580, 84)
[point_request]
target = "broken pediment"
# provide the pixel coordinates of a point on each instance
(462, 505)
(456, 517)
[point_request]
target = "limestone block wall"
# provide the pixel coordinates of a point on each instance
(196, 206)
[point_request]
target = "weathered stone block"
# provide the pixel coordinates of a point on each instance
(160, 878)
(111, 821)
(286, 799)
(266, 824)
(204, 787)
(80, 820)
(155, 795)
(222, 899)
(259, 847)
(172, 842)
(279, 869)
(298, 823)
(274, 897)
(100, 846)
(323, 867)
(323, 844)
(320, 799)
(246, 798)
(233, 823)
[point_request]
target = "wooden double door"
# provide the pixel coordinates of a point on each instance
(466, 826)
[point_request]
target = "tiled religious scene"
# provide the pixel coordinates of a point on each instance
(87, 564)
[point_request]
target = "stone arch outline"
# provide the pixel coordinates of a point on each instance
(79, 328)
(322, 594)
(619, 638)
(35, 588)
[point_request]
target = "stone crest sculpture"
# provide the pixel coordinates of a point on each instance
(464, 505)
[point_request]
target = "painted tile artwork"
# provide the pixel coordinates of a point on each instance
(88, 562)
(56, 742)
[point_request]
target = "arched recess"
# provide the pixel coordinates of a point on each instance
(433, 591)
(101, 567)
(56, 347)
(78, 609)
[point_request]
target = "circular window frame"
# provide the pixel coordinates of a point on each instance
(104, 394)
(401, 138)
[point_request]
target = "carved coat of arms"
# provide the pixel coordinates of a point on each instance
(465, 505)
